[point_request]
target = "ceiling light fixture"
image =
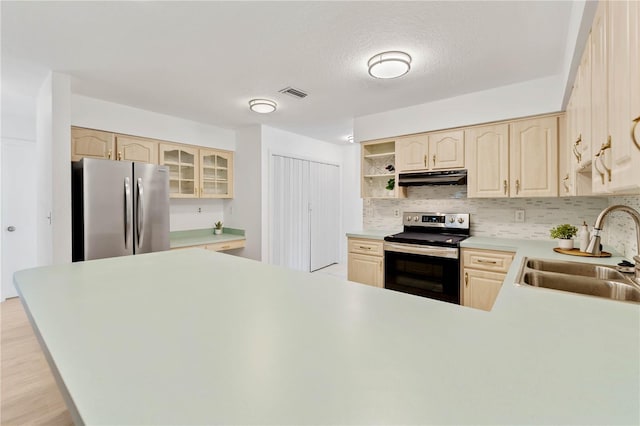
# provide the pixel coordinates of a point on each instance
(389, 64)
(262, 106)
(350, 138)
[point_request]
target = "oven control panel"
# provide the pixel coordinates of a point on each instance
(437, 220)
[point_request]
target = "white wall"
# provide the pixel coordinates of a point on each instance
(276, 141)
(501, 103)
(103, 115)
(351, 201)
(185, 214)
(53, 215)
(245, 209)
(582, 13)
(17, 124)
(61, 183)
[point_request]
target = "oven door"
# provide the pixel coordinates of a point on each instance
(432, 272)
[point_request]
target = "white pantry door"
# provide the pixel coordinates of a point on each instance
(304, 214)
(18, 211)
(324, 191)
(289, 233)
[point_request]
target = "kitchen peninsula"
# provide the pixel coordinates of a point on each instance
(199, 337)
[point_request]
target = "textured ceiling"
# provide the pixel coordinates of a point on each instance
(204, 60)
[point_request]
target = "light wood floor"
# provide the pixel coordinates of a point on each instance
(29, 392)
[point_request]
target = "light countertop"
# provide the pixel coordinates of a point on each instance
(197, 237)
(198, 337)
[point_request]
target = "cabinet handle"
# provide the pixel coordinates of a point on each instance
(434, 161)
(425, 160)
(506, 187)
(595, 165)
(633, 131)
(602, 150)
(517, 186)
(466, 279)
(119, 156)
(109, 154)
(225, 247)
(565, 183)
(490, 262)
(575, 148)
(365, 248)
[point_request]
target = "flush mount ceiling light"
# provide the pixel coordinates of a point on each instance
(262, 106)
(389, 64)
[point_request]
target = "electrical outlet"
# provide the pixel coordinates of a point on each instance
(199, 209)
(396, 212)
(519, 218)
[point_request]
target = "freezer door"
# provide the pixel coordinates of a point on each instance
(151, 208)
(103, 209)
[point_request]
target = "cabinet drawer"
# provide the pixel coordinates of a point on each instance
(363, 246)
(487, 260)
(228, 245)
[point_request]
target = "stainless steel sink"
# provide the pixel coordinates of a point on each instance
(583, 278)
(575, 268)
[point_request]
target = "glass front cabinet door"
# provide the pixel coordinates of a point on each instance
(183, 169)
(216, 173)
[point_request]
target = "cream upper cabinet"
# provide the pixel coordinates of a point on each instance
(182, 162)
(91, 144)
(599, 117)
(487, 160)
(432, 151)
(412, 153)
(379, 170)
(216, 173)
(584, 107)
(533, 157)
(446, 150)
(623, 91)
(140, 150)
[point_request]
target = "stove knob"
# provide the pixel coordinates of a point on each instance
(452, 219)
(415, 218)
(460, 220)
(408, 218)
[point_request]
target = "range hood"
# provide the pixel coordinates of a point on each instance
(444, 177)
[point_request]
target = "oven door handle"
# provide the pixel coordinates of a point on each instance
(446, 252)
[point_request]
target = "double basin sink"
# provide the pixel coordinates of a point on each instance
(583, 278)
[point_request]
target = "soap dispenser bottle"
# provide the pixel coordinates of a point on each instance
(583, 236)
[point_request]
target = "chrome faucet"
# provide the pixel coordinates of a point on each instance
(594, 243)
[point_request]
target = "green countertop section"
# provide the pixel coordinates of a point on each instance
(372, 234)
(199, 337)
(196, 237)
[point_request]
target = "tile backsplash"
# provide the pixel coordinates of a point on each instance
(619, 228)
(495, 217)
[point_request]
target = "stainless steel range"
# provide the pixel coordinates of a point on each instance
(424, 259)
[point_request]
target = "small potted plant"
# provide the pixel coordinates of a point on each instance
(217, 230)
(564, 233)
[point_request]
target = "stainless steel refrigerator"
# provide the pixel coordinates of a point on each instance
(118, 208)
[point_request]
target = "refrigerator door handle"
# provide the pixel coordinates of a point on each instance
(140, 212)
(128, 212)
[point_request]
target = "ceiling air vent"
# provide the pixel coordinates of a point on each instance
(296, 93)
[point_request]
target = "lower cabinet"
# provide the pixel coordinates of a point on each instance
(366, 261)
(223, 246)
(483, 272)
